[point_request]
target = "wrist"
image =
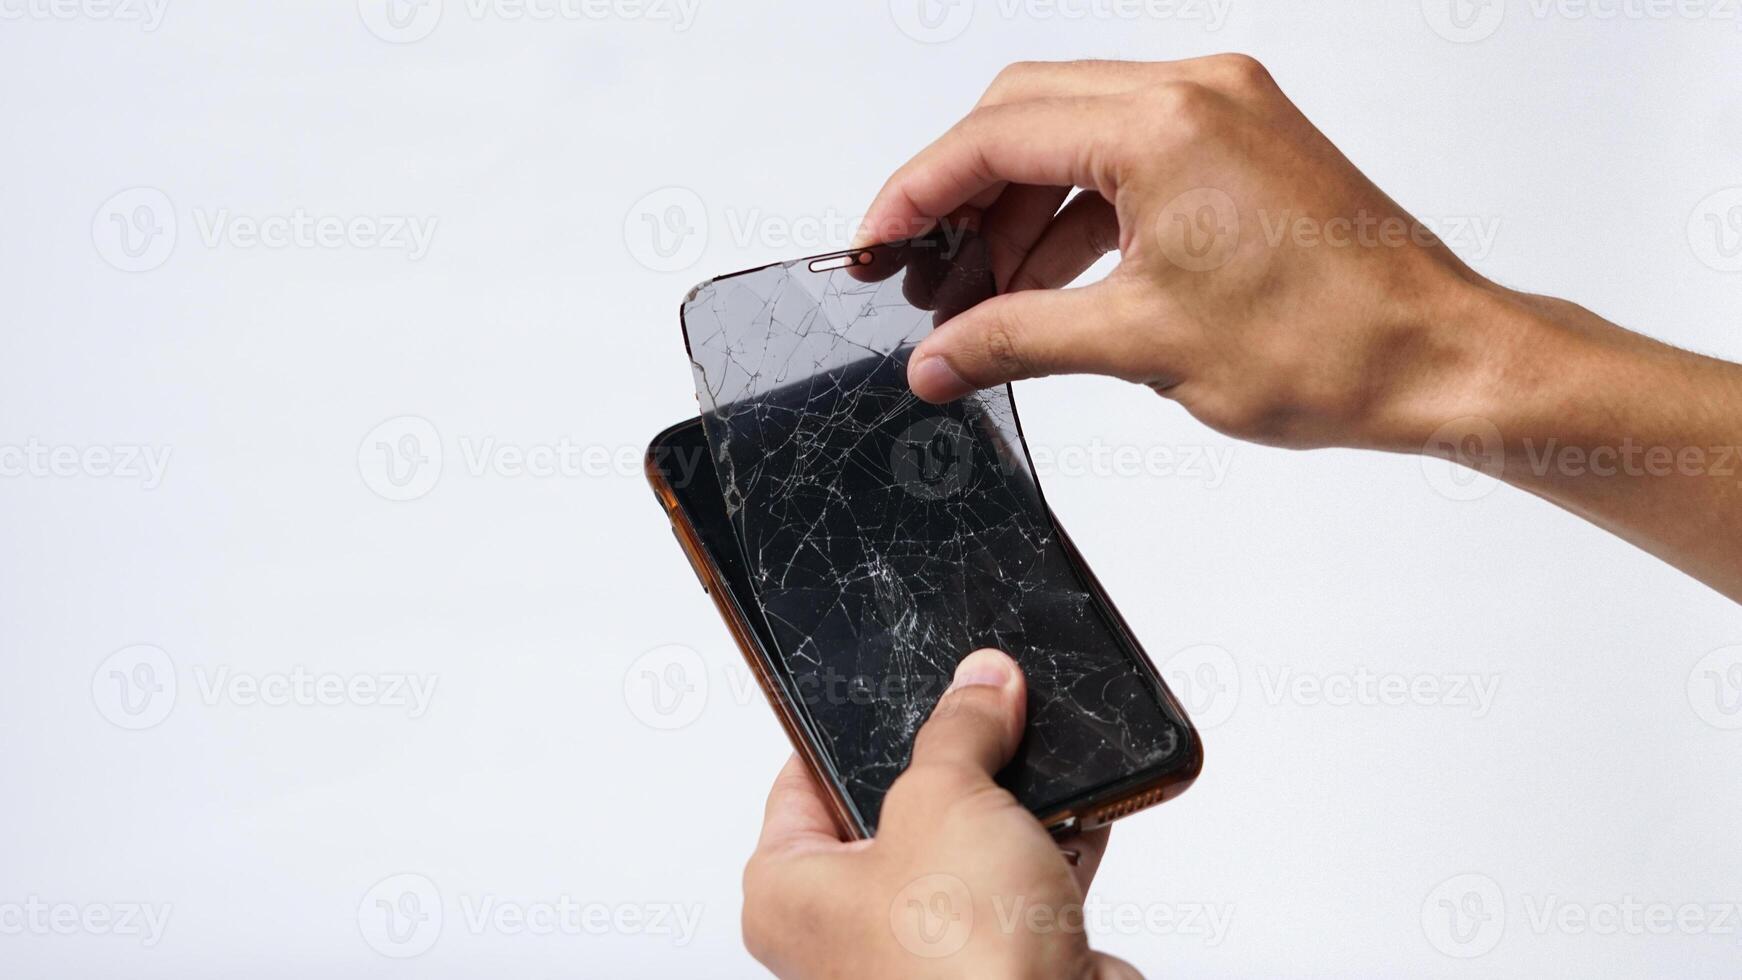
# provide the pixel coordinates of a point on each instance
(1494, 367)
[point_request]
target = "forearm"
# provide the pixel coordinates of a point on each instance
(1635, 436)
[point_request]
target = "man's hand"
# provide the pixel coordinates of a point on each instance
(1270, 288)
(956, 879)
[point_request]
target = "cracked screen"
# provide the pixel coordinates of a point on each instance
(884, 538)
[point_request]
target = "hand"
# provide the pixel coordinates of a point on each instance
(960, 881)
(1263, 282)
(1270, 288)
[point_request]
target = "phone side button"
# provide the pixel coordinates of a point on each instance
(691, 555)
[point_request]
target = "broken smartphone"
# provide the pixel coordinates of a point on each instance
(859, 542)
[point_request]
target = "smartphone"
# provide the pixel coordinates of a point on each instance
(1105, 736)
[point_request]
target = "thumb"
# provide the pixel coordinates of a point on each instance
(978, 722)
(1032, 334)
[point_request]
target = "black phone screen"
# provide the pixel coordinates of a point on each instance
(1096, 718)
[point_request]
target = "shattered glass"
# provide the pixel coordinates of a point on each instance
(886, 538)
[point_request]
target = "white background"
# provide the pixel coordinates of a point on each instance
(543, 314)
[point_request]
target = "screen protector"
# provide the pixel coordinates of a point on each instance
(886, 538)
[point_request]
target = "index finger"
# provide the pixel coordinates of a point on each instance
(1061, 142)
(797, 816)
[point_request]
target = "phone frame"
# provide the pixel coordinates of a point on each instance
(1103, 806)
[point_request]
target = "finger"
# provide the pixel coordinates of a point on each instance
(1089, 846)
(1061, 142)
(1026, 80)
(797, 815)
(1015, 222)
(1085, 230)
(1098, 329)
(978, 723)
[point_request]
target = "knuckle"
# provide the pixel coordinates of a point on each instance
(1010, 76)
(1180, 110)
(1003, 346)
(1241, 71)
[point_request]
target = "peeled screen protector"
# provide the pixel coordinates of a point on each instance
(886, 538)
